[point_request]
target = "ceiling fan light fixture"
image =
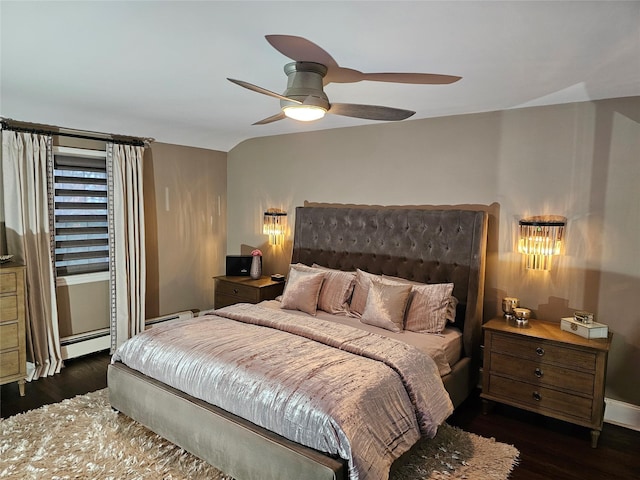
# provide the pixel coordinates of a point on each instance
(304, 113)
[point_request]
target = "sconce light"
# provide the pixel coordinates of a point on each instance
(541, 239)
(275, 225)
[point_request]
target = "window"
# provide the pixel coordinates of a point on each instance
(80, 205)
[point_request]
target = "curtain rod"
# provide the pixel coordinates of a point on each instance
(46, 130)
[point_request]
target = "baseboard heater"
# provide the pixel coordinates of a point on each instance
(82, 337)
(152, 322)
(85, 343)
(99, 340)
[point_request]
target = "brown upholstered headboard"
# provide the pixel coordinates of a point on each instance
(430, 246)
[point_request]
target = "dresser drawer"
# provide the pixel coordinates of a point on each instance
(238, 290)
(9, 336)
(9, 363)
(543, 351)
(8, 308)
(543, 374)
(541, 399)
(8, 282)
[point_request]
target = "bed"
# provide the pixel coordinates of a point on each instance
(414, 244)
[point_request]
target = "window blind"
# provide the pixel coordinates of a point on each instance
(81, 223)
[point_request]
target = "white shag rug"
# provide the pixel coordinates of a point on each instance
(83, 438)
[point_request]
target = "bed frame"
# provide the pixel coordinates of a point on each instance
(430, 246)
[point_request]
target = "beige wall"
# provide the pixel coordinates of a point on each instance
(578, 160)
(185, 216)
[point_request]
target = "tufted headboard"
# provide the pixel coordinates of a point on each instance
(429, 246)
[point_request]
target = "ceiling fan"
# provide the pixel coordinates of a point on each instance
(312, 68)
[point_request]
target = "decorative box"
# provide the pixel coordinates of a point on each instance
(586, 330)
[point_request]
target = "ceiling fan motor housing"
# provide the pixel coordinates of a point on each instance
(304, 83)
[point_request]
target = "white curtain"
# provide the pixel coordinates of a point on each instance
(127, 255)
(28, 198)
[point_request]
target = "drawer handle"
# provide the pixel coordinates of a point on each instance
(536, 396)
(540, 351)
(538, 373)
(235, 290)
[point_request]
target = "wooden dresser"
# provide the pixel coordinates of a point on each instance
(13, 357)
(546, 370)
(230, 290)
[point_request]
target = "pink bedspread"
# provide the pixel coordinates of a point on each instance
(331, 387)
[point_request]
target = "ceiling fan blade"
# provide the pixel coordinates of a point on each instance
(413, 78)
(301, 50)
(271, 119)
(264, 91)
(369, 112)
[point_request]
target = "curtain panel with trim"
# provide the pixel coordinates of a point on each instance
(27, 172)
(126, 240)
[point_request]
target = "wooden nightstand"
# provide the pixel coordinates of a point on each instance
(545, 370)
(13, 357)
(230, 290)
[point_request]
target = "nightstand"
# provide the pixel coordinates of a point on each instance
(543, 369)
(230, 290)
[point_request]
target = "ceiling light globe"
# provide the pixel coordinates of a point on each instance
(304, 113)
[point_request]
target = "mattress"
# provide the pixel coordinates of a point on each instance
(444, 348)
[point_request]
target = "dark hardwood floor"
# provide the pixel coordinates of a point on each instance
(79, 376)
(549, 449)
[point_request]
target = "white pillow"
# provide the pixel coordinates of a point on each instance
(302, 290)
(386, 305)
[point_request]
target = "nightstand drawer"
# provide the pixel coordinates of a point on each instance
(238, 290)
(9, 336)
(544, 351)
(230, 290)
(540, 373)
(541, 399)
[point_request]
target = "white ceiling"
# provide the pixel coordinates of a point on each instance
(158, 68)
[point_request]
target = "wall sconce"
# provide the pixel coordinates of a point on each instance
(541, 239)
(275, 225)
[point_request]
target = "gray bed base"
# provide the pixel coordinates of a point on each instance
(237, 447)
(430, 246)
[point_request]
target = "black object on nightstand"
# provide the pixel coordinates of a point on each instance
(230, 290)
